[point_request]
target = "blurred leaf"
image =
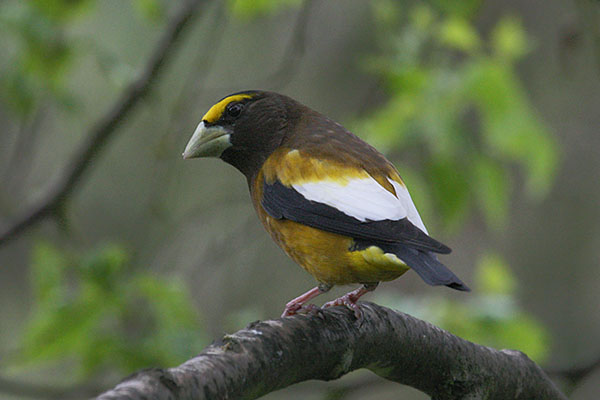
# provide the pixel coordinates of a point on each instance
(48, 271)
(510, 127)
(42, 54)
(255, 8)
(60, 331)
(466, 119)
(62, 9)
(491, 186)
(529, 334)
(386, 12)
(18, 92)
(450, 187)
(493, 276)
(542, 163)
(457, 33)
(386, 127)
(153, 10)
(421, 17)
(104, 268)
(93, 310)
(491, 317)
(463, 8)
(170, 299)
(509, 40)
(238, 319)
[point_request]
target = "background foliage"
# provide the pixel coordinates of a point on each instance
(152, 258)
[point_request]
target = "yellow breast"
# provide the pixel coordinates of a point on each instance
(328, 258)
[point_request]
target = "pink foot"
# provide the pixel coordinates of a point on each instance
(300, 309)
(291, 309)
(299, 303)
(349, 299)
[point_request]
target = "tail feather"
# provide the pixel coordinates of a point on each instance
(428, 267)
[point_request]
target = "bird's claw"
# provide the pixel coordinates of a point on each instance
(296, 308)
(349, 301)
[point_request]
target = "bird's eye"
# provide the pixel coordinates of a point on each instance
(234, 110)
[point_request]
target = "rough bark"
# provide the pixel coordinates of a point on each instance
(270, 355)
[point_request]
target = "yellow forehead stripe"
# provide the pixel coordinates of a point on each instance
(217, 110)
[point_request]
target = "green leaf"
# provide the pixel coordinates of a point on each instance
(176, 320)
(169, 299)
(105, 267)
(42, 54)
(422, 17)
(387, 127)
(491, 187)
(60, 331)
(255, 8)
(511, 129)
(18, 92)
(449, 184)
(493, 276)
(463, 8)
(491, 317)
(529, 334)
(48, 266)
(459, 34)
(509, 40)
(386, 12)
(478, 320)
(542, 162)
(62, 10)
(153, 10)
(96, 313)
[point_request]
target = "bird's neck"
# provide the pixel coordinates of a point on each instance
(248, 163)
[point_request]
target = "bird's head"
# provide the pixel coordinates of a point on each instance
(243, 129)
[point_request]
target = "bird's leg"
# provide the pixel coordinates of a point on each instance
(297, 304)
(349, 299)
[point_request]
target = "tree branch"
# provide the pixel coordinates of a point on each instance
(575, 374)
(270, 355)
(104, 128)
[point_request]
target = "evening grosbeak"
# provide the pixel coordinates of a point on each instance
(332, 202)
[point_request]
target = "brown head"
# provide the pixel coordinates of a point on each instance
(244, 128)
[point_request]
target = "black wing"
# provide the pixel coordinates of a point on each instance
(280, 202)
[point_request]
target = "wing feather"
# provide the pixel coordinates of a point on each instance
(359, 212)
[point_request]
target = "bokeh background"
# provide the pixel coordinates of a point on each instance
(489, 109)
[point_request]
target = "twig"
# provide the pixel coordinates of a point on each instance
(575, 374)
(294, 51)
(271, 355)
(19, 161)
(100, 132)
(290, 60)
(183, 104)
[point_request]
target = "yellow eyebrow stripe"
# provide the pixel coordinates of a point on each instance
(217, 110)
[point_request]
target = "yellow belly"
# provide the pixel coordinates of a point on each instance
(328, 258)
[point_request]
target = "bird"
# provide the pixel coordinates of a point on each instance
(331, 201)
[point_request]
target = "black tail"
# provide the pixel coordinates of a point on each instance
(426, 264)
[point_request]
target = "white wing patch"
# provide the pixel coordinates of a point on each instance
(411, 210)
(363, 199)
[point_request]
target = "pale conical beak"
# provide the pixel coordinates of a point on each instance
(208, 141)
